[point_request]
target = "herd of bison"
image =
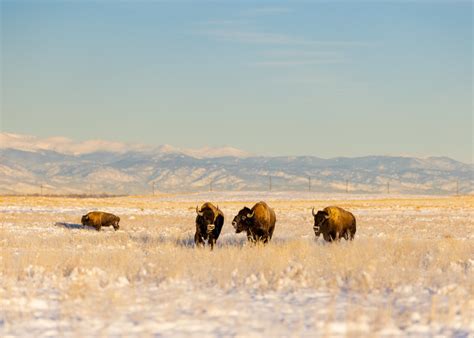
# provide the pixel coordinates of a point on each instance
(258, 222)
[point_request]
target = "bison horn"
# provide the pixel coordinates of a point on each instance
(251, 215)
(312, 211)
(199, 211)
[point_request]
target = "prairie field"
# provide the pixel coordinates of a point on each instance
(408, 272)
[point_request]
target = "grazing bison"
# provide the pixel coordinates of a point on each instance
(258, 222)
(334, 223)
(98, 219)
(209, 222)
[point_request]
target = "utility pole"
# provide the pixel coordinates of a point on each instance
(153, 188)
(347, 186)
(41, 189)
(309, 183)
(388, 188)
(270, 183)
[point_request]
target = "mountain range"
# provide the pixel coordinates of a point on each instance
(61, 166)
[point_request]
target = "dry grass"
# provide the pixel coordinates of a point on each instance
(404, 248)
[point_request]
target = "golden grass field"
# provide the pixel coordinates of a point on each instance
(410, 269)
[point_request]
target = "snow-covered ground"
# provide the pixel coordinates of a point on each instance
(280, 196)
(409, 271)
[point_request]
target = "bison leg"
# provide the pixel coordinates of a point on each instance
(261, 238)
(267, 236)
(250, 236)
(198, 240)
(97, 227)
(211, 242)
(271, 232)
(331, 236)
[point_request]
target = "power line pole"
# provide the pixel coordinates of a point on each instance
(270, 183)
(309, 183)
(347, 186)
(153, 189)
(41, 189)
(388, 188)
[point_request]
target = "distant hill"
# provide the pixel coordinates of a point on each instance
(98, 167)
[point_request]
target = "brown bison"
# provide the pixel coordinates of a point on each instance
(98, 219)
(334, 223)
(258, 222)
(209, 222)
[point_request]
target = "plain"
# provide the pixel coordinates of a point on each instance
(410, 269)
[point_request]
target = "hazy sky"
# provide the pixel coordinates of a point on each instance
(281, 78)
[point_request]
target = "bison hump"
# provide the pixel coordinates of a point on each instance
(262, 211)
(337, 214)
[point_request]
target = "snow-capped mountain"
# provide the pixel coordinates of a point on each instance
(64, 145)
(61, 166)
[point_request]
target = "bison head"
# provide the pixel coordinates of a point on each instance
(320, 221)
(116, 224)
(85, 219)
(243, 220)
(205, 220)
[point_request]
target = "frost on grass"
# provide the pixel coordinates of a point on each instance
(408, 272)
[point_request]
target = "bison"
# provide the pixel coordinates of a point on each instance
(258, 222)
(98, 219)
(209, 222)
(334, 223)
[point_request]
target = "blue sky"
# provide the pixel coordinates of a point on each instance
(276, 78)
